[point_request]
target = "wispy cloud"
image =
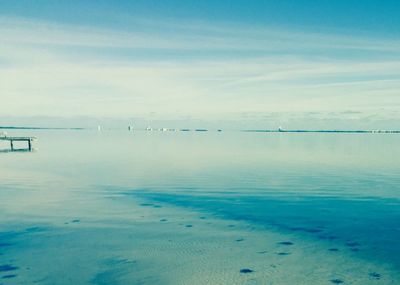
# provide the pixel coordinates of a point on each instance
(201, 69)
(184, 36)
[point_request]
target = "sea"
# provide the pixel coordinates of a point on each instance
(227, 207)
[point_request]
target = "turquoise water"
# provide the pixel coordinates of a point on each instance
(119, 207)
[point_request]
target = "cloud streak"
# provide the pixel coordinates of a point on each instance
(197, 69)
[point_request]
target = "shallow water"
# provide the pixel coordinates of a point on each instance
(119, 207)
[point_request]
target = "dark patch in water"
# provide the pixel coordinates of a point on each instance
(355, 249)
(375, 275)
(333, 249)
(163, 220)
(9, 276)
(203, 218)
(327, 237)
(146, 204)
(112, 262)
(283, 253)
(246, 270)
(4, 244)
(239, 239)
(352, 243)
(35, 229)
(307, 230)
(189, 226)
(157, 206)
(8, 235)
(313, 230)
(231, 226)
(337, 281)
(7, 267)
(285, 243)
(75, 221)
(262, 252)
(309, 215)
(297, 229)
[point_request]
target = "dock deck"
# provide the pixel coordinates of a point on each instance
(29, 140)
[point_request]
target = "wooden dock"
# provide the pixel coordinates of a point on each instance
(29, 140)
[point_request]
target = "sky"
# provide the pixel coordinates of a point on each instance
(297, 62)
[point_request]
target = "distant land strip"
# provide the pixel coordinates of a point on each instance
(36, 128)
(219, 130)
(325, 131)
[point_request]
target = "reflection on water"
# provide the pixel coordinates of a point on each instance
(201, 208)
(16, 150)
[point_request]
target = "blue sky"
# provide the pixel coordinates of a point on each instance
(201, 59)
(372, 16)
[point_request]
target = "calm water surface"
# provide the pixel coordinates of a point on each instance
(119, 207)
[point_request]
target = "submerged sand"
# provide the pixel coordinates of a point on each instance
(133, 241)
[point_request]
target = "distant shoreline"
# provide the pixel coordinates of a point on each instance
(325, 131)
(219, 130)
(36, 128)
